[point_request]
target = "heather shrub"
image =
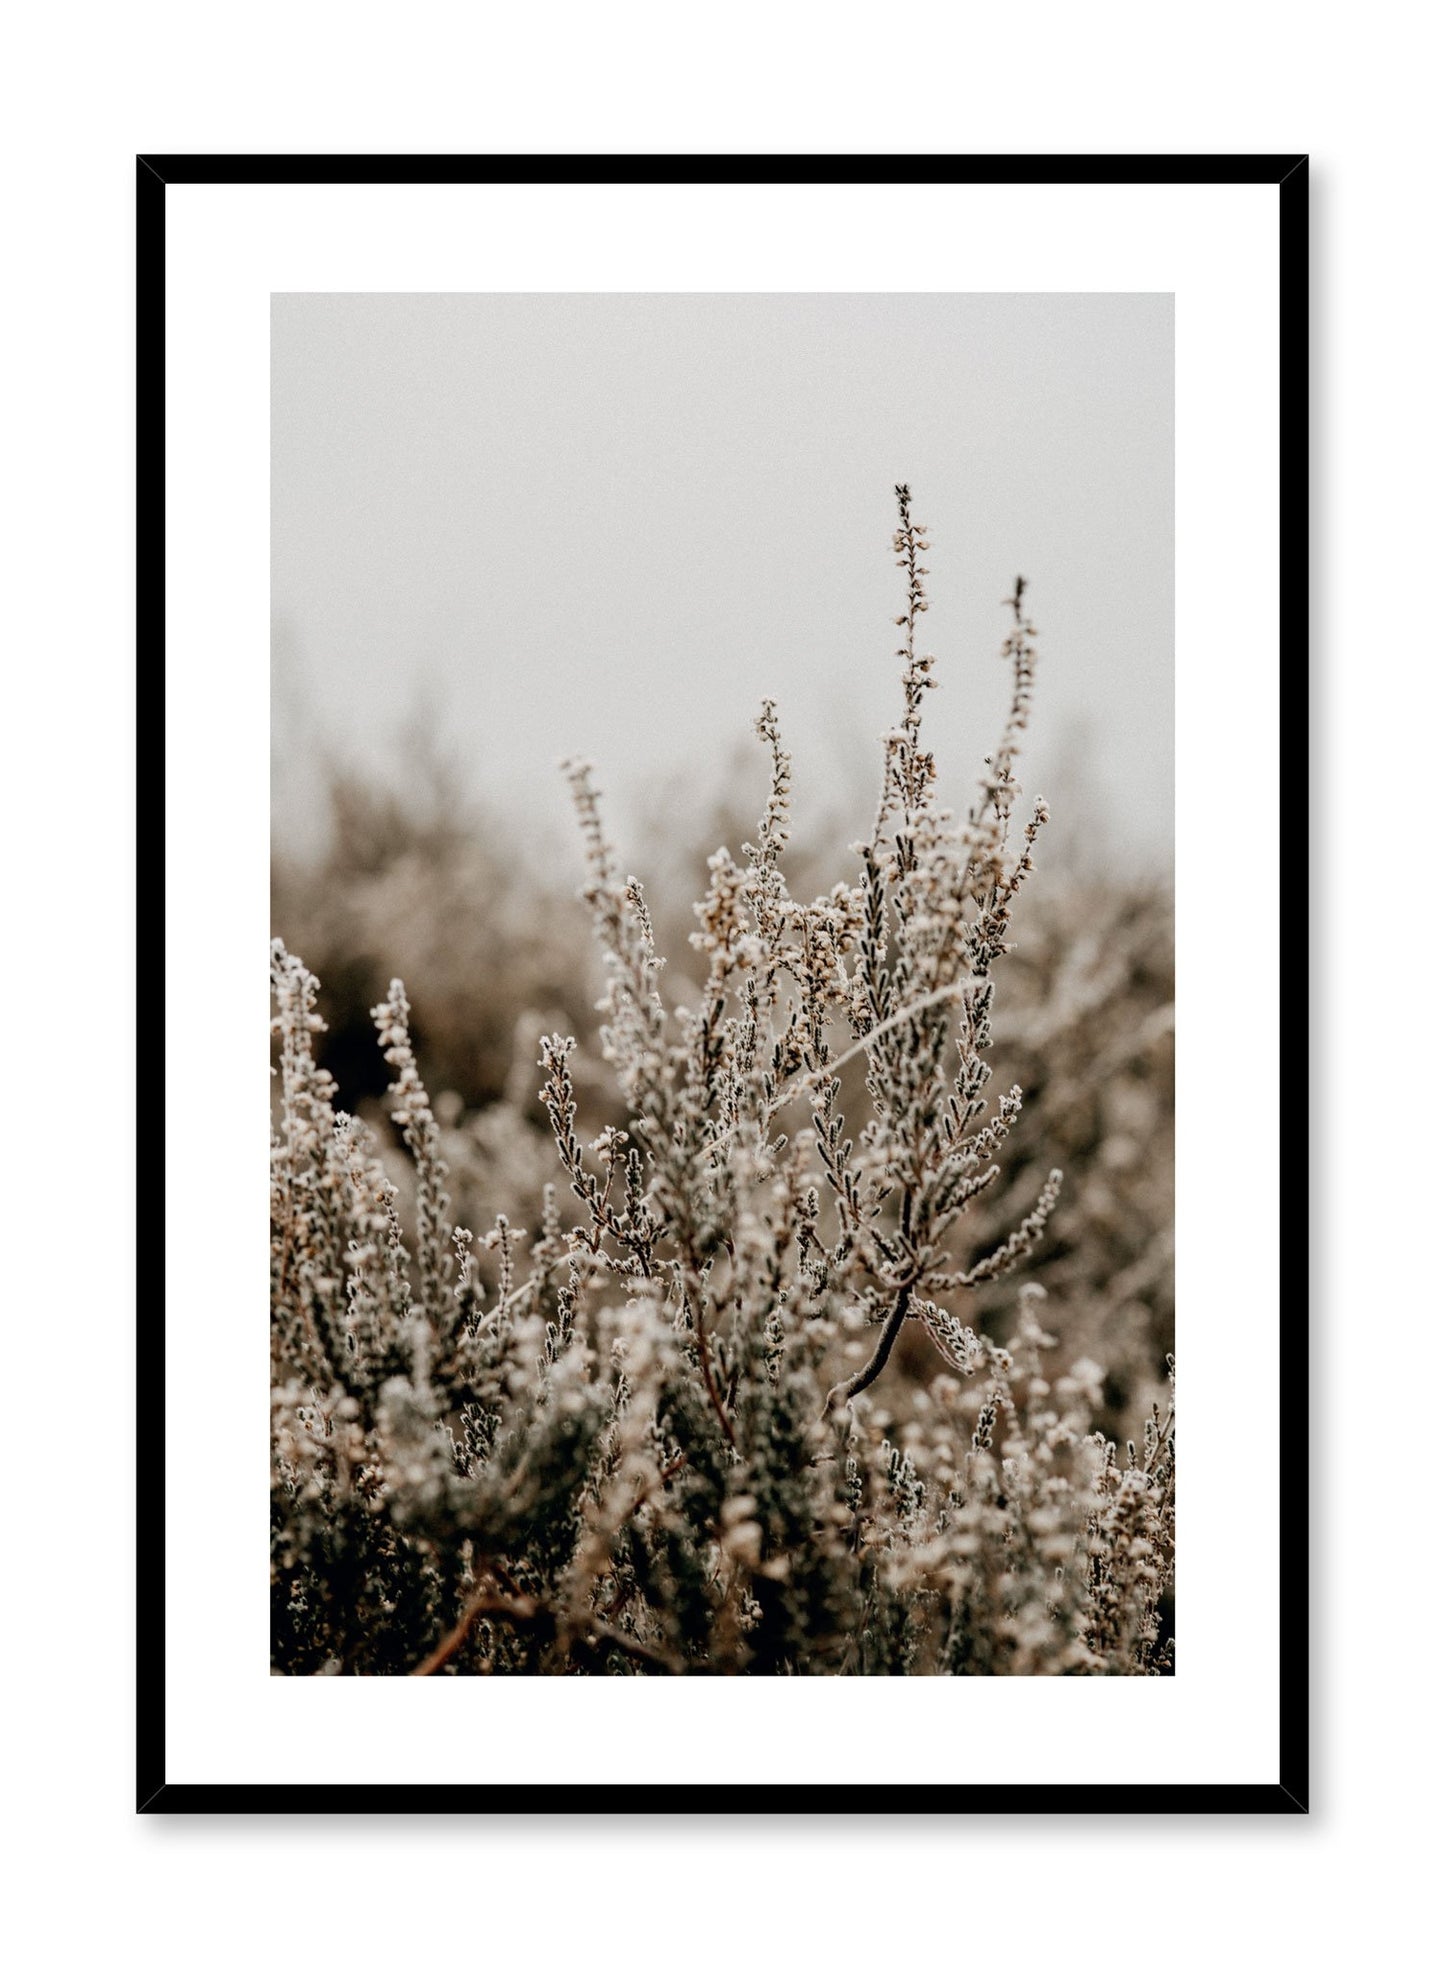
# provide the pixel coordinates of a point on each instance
(649, 1429)
(414, 878)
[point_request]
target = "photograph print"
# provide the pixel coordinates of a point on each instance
(722, 1155)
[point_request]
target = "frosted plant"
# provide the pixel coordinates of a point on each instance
(643, 1440)
(901, 961)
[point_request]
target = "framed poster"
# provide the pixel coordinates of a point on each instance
(773, 663)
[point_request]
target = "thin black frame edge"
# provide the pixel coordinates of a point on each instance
(841, 167)
(1294, 651)
(150, 577)
(621, 1801)
(154, 171)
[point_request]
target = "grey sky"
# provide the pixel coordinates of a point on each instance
(611, 524)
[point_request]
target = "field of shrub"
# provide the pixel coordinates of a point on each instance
(778, 1283)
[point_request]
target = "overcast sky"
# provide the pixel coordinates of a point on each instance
(613, 524)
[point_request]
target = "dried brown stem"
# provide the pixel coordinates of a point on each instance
(866, 1376)
(523, 1610)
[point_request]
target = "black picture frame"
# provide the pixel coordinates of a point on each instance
(155, 174)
